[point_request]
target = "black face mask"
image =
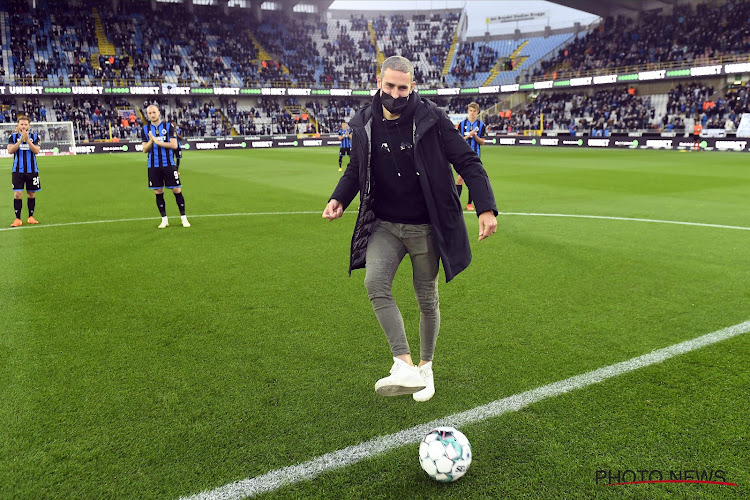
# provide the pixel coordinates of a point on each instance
(393, 105)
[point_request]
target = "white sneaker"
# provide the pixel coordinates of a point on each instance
(429, 382)
(404, 379)
(164, 223)
(185, 222)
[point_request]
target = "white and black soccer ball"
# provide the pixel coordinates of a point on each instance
(445, 454)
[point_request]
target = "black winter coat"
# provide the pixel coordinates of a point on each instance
(437, 145)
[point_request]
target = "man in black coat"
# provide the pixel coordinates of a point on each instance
(402, 150)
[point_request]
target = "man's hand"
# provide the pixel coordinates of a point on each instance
(25, 136)
(333, 210)
(487, 225)
(151, 136)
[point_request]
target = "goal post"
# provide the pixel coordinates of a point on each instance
(55, 138)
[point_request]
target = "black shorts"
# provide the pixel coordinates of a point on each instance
(30, 182)
(163, 177)
(345, 151)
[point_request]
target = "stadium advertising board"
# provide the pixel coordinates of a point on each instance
(215, 143)
(293, 141)
(54, 151)
(171, 89)
(622, 142)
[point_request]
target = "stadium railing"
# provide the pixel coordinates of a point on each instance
(526, 78)
(673, 65)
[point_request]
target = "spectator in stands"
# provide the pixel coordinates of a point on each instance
(689, 35)
(409, 207)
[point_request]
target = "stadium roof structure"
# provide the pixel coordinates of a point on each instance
(283, 5)
(605, 8)
(288, 5)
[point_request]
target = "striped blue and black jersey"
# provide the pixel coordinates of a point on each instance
(346, 142)
(159, 156)
(24, 161)
(465, 126)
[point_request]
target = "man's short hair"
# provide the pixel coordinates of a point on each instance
(22, 118)
(398, 63)
(473, 105)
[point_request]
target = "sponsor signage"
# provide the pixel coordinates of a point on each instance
(658, 144)
(25, 89)
(723, 145)
(706, 71)
(623, 141)
(169, 89)
(173, 89)
(514, 18)
(652, 75)
(737, 68)
(600, 80)
(575, 82)
(144, 90)
(256, 142)
(55, 151)
(87, 90)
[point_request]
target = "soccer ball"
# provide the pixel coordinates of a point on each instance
(445, 454)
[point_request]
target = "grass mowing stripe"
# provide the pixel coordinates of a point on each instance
(528, 214)
(288, 475)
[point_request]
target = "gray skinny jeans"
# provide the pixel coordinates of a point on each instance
(387, 246)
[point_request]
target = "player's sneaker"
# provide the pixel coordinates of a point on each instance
(32, 220)
(340, 169)
(404, 379)
(470, 207)
(16, 223)
(185, 222)
(429, 382)
(164, 223)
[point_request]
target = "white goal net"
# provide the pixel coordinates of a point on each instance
(55, 138)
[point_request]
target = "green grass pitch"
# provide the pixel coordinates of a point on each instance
(150, 364)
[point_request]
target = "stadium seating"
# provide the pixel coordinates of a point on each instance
(689, 36)
(137, 45)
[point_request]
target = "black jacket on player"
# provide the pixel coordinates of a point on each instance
(437, 144)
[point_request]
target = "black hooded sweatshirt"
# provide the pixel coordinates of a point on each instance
(398, 195)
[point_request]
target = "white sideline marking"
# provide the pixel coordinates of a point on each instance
(248, 214)
(155, 219)
(633, 219)
(347, 456)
